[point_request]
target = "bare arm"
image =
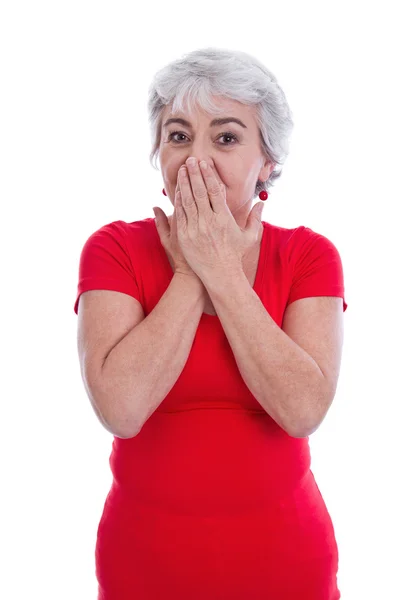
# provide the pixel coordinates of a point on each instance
(285, 380)
(142, 368)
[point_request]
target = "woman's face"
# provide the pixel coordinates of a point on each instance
(232, 149)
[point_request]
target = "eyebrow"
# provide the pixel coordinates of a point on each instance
(213, 123)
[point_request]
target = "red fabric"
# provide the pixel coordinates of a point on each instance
(212, 499)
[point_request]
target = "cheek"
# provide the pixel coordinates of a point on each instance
(224, 176)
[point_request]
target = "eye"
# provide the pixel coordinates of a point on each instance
(227, 134)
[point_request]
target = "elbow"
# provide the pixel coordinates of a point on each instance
(118, 431)
(302, 432)
(110, 409)
(114, 426)
(302, 426)
(303, 429)
(110, 418)
(315, 407)
(310, 423)
(297, 433)
(122, 429)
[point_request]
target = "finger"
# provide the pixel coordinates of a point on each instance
(187, 198)
(214, 189)
(177, 189)
(198, 186)
(177, 203)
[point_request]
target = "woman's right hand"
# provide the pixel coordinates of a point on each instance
(167, 231)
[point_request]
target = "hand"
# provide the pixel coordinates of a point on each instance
(210, 239)
(167, 231)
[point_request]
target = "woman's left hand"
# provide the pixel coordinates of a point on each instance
(209, 237)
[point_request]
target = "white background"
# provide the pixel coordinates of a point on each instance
(75, 142)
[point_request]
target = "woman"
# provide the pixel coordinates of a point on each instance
(210, 346)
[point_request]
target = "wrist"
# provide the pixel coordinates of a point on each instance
(192, 281)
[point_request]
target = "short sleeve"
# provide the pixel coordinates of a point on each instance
(105, 263)
(318, 269)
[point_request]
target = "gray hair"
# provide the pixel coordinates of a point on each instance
(200, 74)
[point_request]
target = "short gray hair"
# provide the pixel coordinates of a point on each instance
(200, 74)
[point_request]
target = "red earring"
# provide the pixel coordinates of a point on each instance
(263, 194)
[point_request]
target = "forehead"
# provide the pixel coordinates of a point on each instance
(228, 107)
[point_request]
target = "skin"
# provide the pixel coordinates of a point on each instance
(238, 164)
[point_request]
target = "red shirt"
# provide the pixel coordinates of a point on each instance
(213, 499)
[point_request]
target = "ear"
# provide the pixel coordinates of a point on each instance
(266, 170)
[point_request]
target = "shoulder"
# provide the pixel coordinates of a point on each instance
(135, 233)
(298, 240)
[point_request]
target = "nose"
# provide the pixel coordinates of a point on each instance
(199, 159)
(209, 161)
(200, 150)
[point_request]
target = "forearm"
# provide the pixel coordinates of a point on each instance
(285, 379)
(143, 367)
